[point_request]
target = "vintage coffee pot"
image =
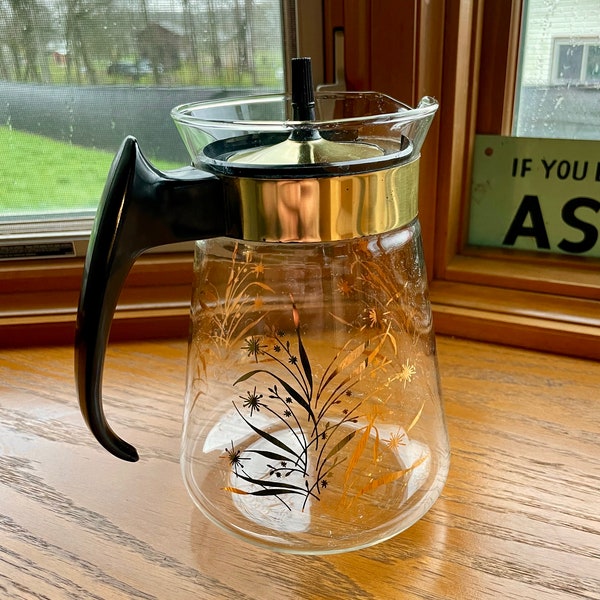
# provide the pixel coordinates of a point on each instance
(313, 421)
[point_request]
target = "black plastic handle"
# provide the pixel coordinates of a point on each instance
(140, 208)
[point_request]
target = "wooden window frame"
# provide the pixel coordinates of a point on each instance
(465, 53)
(38, 298)
(406, 49)
(534, 300)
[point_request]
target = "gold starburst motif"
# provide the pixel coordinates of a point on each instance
(344, 287)
(407, 372)
(375, 317)
(258, 269)
(396, 440)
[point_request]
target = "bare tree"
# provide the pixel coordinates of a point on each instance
(242, 13)
(27, 39)
(213, 38)
(152, 51)
(189, 25)
(9, 34)
(249, 38)
(77, 36)
(144, 7)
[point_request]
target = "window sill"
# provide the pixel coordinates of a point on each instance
(526, 319)
(39, 300)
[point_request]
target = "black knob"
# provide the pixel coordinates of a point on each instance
(303, 97)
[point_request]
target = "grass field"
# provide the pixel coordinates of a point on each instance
(40, 175)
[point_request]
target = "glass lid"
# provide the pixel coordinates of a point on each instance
(303, 134)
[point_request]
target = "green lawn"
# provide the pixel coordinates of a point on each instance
(41, 175)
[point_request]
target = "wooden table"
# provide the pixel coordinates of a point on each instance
(519, 517)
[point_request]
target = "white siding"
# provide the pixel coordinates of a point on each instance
(547, 20)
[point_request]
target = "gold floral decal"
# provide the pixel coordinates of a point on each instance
(387, 294)
(313, 413)
(232, 315)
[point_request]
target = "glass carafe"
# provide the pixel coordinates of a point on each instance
(313, 420)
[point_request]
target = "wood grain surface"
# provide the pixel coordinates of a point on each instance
(518, 518)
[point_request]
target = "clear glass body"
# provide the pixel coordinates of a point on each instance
(313, 417)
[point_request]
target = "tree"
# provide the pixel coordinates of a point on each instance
(213, 38)
(77, 34)
(27, 38)
(243, 26)
(190, 33)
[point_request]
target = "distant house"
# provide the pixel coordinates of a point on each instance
(161, 46)
(58, 51)
(563, 43)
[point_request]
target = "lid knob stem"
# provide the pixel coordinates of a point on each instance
(303, 97)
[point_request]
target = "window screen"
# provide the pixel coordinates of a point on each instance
(77, 76)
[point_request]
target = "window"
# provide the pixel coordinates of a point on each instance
(465, 53)
(76, 77)
(528, 298)
(537, 189)
(576, 62)
(558, 82)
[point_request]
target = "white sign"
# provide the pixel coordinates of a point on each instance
(536, 194)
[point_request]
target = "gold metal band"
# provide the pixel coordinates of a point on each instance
(327, 208)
